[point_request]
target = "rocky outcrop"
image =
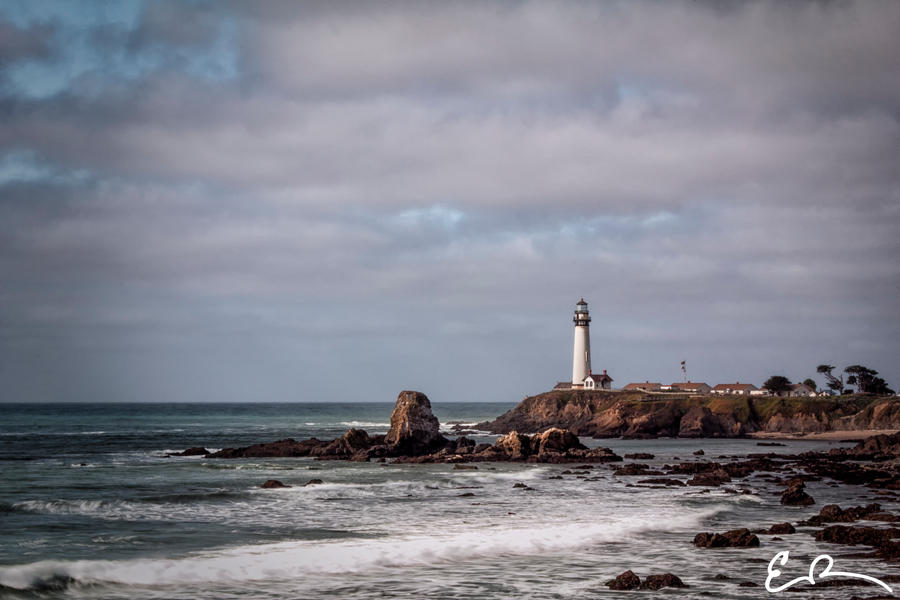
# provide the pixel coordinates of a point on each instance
(657, 582)
(354, 442)
(626, 581)
(869, 536)
(629, 581)
(736, 538)
(881, 414)
(713, 478)
(552, 446)
(876, 447)
(641, 415)
(287, 448)
(795, 495)
(832, 513)
(414, 428)
(273, 484)
(700, 421)
(781, 529)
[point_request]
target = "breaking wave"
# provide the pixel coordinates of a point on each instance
(297, 559)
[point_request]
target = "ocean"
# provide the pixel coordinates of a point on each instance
(91, 507)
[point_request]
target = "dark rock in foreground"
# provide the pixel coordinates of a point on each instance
(626, 581)
(656, 582)
(273, 484)
(629, 581)
(736, 538)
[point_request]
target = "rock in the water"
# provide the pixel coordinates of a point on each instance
(795, 496)
(713, 478)
(699, 452)
(414, 429)
(626, 581)
(635, 469)
(832, 513)
(781, 529)
(655, 582)
(354, 442)
(314, 482)
(514, 444)
(640, 456)
(462, 467)
(668, 481)
(557, 440)
(736, 538)
(273, 484)
(281, 448)
(869, 536)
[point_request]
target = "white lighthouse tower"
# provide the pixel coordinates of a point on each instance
(581, 354)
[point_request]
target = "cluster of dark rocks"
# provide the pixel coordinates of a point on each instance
(629, 581)
(414, 437)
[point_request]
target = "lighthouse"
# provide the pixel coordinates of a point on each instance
(581, 353)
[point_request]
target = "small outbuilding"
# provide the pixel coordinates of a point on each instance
(598, 382)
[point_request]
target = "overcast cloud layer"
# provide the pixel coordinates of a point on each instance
(337, 201)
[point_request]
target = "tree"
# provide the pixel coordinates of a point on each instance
(835, 384)
(808, 382)
(862, 377)
(880, 387)
(777, 384)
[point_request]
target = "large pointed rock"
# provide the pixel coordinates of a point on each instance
(414, 429)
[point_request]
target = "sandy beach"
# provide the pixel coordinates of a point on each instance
(823, 435)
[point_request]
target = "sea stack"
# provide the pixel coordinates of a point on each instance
(414, 429)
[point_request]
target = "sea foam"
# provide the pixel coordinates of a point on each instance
(295, 559)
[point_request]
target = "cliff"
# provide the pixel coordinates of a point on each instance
(637, 414)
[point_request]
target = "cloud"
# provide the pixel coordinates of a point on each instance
(275, 194)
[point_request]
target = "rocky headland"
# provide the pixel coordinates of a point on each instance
(603, 414)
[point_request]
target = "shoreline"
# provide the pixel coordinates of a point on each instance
(836, 435)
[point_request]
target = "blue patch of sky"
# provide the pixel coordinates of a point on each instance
(78, 53)
(436, 215)
(621, 224)
(24, 166)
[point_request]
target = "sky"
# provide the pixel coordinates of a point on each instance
(337, 201)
